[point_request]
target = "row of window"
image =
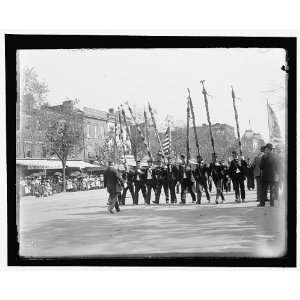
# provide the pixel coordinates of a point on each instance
(93, 131)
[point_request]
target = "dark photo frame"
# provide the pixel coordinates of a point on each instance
(13, 43)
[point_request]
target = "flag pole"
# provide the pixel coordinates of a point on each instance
(236, 120)
(147, 129)
(268, 120)
(194, 122)
(170, 138)
(188, 132)
(156, 131)
(115, 138)
(122, 136)
(139, 131)
(208, 117)
(133, 146)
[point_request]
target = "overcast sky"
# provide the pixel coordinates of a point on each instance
(103, 79)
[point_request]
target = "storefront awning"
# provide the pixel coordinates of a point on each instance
(40, 164)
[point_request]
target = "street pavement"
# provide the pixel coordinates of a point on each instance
(78, 224)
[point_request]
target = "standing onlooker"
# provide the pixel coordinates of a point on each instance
(270, 175)
(112, 181)
(257, 172)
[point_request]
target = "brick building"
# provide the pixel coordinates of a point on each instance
(97, 125)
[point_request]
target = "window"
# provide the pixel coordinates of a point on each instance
(95, 131)
(88, 130)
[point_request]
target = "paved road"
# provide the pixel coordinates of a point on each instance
(78, 224)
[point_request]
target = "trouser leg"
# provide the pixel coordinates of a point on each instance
(258, 188)
(149, 187)
(206, 190)
(272, 193)
(242, 188)
(166, 190)
(183, 192)
(264, 192)
(144, 192)
(172, 185)
(221, 192)
(191, 188)
(136, 194)
(199, 192)
(131, 190)
(158, 191)
(236, 189)
(113, 198)
(117, 207)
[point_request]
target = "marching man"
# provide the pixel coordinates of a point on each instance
(112, 181)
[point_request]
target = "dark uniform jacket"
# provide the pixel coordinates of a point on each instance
(128, 176)
(139, 175)
(150, 173)
(189, 174)
(172, 173)
(237, 170)
(112, 180)
(201, 173)
(270, 167)
(216, 171)
(161, 173)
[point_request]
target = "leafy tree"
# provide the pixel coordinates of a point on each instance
(34, 91)
(63, 132)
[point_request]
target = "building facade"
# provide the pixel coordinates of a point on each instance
(98, 128)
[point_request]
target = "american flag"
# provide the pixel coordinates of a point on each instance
(166, 143)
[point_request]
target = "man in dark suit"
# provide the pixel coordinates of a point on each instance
(187, 180)
(112, 181)
(201, 176)
(150, 178)
(238, 171)
(162, 181)
(127, 177)
(172, 175)
(270, 175)
(257, 172)
(217, 175)
(139, 182)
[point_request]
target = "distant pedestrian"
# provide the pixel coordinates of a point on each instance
(112, 181)
(270, 175)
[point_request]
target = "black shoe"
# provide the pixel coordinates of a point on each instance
(198, 202)
(182, 203)
(260, 205)
(118, 210)
(155, 202)
(243, 200)
(217, 202)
